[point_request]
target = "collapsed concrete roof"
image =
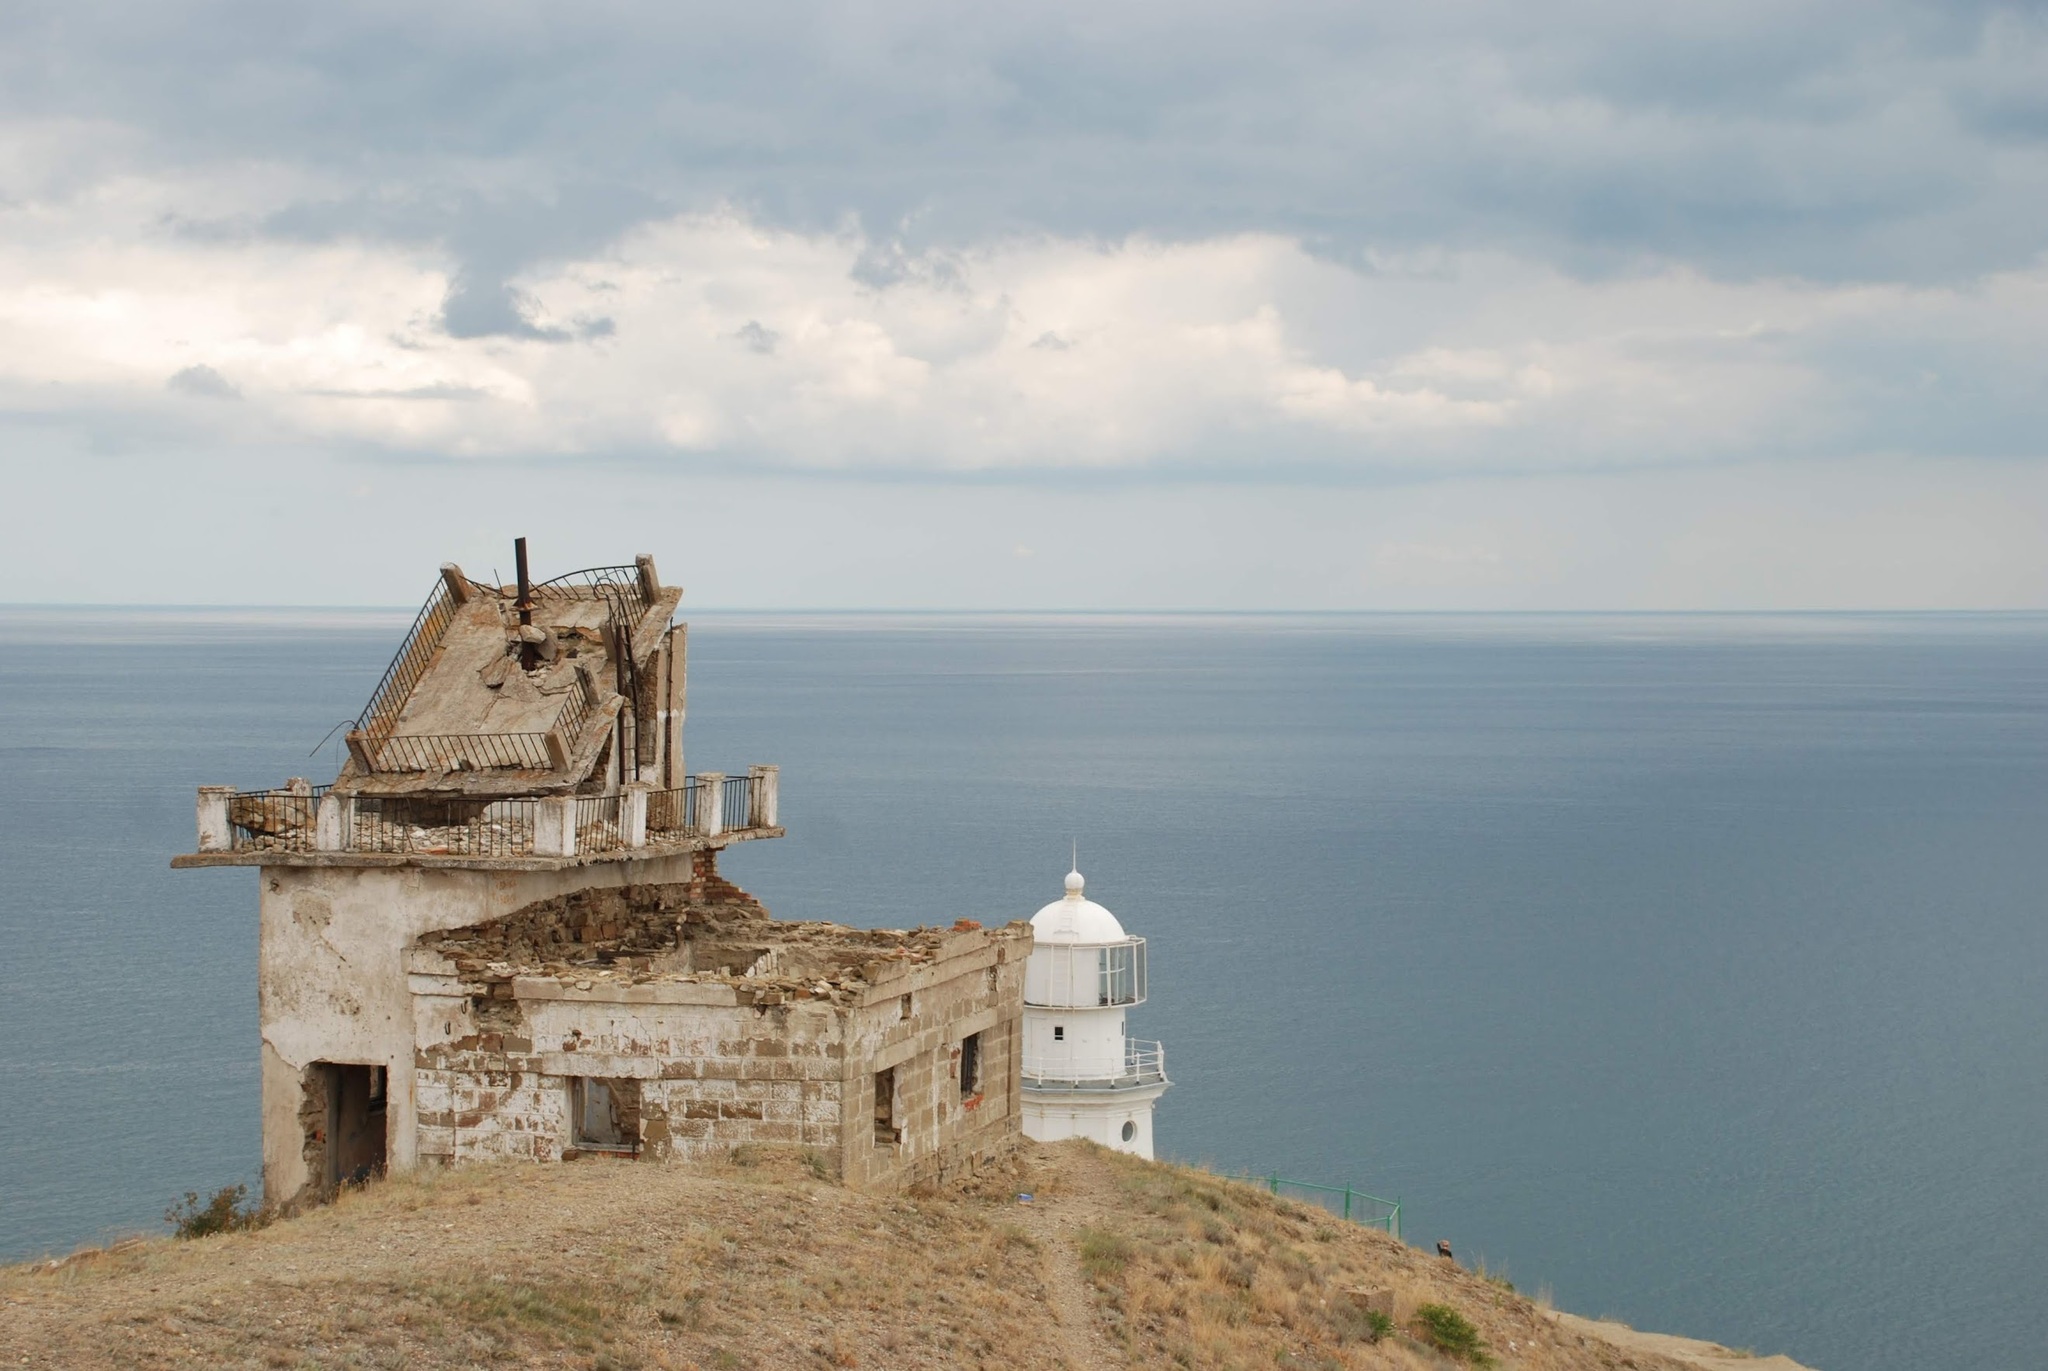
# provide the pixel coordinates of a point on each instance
(705, 931)
(529, 689)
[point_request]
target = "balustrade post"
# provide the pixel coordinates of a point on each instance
(762, 784)
(216, 834)
(330, 823)
(554, 826)
(633, 813)
(711, 803)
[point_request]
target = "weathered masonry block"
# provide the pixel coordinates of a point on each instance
(722, 1027)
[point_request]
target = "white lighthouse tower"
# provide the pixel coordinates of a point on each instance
(1084, 1076)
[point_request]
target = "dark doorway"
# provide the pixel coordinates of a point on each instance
(606, 1114)
(355, 1128)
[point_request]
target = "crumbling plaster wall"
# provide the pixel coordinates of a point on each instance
(494, 1062)
(331, 980)
(493, 1076)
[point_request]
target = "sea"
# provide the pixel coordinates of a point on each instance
(1688, 970)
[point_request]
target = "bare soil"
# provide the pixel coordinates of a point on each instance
(765, 1263)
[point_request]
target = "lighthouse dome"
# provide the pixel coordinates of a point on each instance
(1076, 919)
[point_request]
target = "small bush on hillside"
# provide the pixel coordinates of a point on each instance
(1350, 1321)
(1448, 1331)
(229, 1211)
(1103, 1254)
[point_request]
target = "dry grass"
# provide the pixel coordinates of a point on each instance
(601, 1265)
(1201, 1272)
(575, 1266)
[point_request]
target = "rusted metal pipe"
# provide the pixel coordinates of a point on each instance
(529, 655)
(524, 604)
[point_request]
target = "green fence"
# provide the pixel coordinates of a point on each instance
(1341, 1200)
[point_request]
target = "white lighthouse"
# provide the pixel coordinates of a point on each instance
(1084, 1076)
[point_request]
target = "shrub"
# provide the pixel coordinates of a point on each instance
(228, 1211)
(1445, 1329)
(1349, 1321)
(1103, 1254)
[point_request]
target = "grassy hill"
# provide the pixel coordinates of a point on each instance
(762, 1263)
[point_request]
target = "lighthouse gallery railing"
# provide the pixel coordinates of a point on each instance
(1144, 1064)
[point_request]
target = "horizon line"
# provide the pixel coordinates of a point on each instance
(401, 608)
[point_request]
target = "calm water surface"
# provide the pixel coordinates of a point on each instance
(1690, 968)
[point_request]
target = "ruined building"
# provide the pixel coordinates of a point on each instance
(501, 932)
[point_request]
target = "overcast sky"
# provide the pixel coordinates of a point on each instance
(1062, 305)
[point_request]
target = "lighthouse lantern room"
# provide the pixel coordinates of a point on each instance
(1084, 1075)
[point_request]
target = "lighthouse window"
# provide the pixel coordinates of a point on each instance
(1059, 1033)
(1123, 974)
(1130, 1130)
(970, 1064)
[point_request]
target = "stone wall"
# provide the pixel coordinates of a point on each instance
(332, 980)
(711, 1076)
(721, 1059)
(977, 990)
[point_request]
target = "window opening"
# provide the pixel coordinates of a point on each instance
(1059, 1033)
(1130, 1129)
(885, 1107)
(605, 1113)
(1122, 974)
(970, 1064)
(904, 1007)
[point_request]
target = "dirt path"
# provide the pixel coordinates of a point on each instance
(1060, 1208)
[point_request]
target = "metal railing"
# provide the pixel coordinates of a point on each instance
(736, 799)
(683, 809)
(597, 823)
(274, 820)
(440, 828)
(485, 751)
(380, 717)
(1144, 1064)
(460, 752)
(598, 582)
(619, 588)
(1343, 1201)
(672, 813)
(288, 820)
(575, 711)
(626, 601)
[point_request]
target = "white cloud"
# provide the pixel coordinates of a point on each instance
(1203, 304)
(714, 337)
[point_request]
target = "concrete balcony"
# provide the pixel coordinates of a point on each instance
(304, 825)
(1143, 1068)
